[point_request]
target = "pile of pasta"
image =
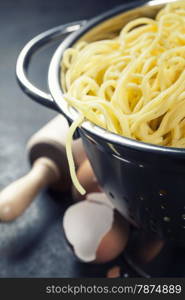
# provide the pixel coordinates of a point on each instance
(133, 85)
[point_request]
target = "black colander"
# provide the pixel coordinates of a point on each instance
(145, 181)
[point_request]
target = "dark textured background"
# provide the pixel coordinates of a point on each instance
(33, 245)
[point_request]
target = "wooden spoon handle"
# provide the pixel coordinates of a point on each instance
(15, 198)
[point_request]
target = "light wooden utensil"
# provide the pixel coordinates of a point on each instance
(47, 155)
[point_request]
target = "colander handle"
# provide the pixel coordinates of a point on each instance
(24, 59)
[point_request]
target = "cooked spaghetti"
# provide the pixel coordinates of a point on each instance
(133, 85)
